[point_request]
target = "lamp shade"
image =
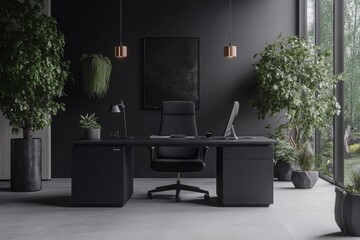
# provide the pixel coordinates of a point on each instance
(230, 51)
(114, 108)
(121, 51)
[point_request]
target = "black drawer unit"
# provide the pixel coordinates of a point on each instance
(101, 175)
(245, 176)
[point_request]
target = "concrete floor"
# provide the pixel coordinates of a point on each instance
(48, 214)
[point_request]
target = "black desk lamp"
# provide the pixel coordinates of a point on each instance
(116, 109)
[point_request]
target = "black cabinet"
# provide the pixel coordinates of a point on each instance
(101, 175)
(245, 175)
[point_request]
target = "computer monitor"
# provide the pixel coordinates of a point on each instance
(229, 130)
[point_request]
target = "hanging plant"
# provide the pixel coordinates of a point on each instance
(96, 71)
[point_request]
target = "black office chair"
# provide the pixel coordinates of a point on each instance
(178, 117)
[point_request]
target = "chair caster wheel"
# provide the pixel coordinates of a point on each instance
(206, 196)
(149, 195)
(177, 199)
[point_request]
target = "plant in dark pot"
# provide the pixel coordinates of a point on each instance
(296, 87)
(285, 156)
(347, 206)
(306, 177)
(91, 129)
(32, 76)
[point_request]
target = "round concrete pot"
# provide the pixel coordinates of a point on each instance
(347, 208)
(284, 170)
(25, 165)
(91, 134)
(304, 179)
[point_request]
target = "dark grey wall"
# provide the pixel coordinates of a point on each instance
(92, 27)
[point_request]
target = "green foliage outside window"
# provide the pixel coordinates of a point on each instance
(354, 148)
(32, 73)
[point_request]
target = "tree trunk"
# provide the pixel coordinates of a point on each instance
(27, 133)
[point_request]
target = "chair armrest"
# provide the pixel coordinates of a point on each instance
(203, 152)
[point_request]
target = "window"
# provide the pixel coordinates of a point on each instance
(351, 108)
(335, 26)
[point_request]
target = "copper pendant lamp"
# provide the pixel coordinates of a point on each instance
(230, 50)
(121, 50)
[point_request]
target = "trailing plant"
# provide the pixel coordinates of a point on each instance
(89, 122)
(283, 151)
(294, 79)
(32, 73)
(96, 70)
(353, 186)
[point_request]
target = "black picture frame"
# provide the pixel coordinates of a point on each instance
(171, 70)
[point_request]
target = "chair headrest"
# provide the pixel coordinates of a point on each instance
(178, 108)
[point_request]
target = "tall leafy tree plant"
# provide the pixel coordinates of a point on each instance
(32, 76)
(32, 73)
(294, 80)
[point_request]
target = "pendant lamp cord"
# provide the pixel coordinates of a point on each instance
(229, 22)
(120, 23)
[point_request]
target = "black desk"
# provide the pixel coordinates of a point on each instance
(102, 170)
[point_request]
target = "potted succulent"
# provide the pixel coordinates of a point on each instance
(96, 70)
(32, 76)
(347, 206)
(295, 84)
(306, 177)
(285, 154)
(91, 129)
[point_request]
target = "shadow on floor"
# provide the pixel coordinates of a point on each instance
(212, 202)
(5, 189)
(286, 188)
(56, 201)
(331, 235)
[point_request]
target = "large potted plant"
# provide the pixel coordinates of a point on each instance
(286, 160)
(32, 75)
(305, 177)
(347, 206)
(295, 84)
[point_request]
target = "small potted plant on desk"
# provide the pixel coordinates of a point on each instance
(91, 129)
(347, 206)
(306, 177)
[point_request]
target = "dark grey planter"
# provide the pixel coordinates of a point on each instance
(91, 134)
(275, 174)
(284, 170)
(25, 165)
(347, 208)
(304, 179)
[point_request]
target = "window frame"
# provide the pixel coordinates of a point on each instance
(338, 68)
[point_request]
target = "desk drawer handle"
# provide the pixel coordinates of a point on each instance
(116, 149)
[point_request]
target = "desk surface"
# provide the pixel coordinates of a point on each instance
(147, 141)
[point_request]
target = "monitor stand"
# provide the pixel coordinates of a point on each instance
(233, 133)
